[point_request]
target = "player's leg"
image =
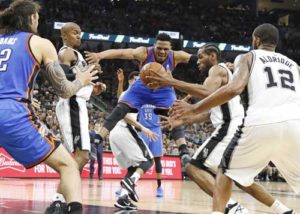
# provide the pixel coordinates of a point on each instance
(81, 157)
(70, 183)
(130, 101)
(158, 170)
(128, 154)
(204, 164)
(239, 165)
(35, 143)
(100, 160)
(80, 131)
(141, 156)
(92, 168)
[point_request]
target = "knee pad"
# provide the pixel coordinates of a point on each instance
(158, 166)
(177, 133)
(146, 165)
(116, 115)
(130, 171)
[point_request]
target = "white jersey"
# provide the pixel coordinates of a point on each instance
(231, 110)
(86, 91)
(273, 89)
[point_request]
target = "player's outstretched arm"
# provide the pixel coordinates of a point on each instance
(139, 54)
(217, 76)
(45, 52)
(131, 121)
(235, 87)
(181, 57)
(120, 75)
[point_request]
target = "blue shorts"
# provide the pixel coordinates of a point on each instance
(19, 134)
(156, 147)
(138, 94)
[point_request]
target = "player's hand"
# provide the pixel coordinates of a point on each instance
(170, 122)
(181, 108)
(99, 87)
(87, 75)
(149, 134)
(160, 79)
(92, 57)
(120, 75)
(98, 68)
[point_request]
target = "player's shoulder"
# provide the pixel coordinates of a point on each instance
(218, 70)
(40, 40)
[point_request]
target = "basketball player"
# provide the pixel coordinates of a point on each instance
(72, 113)
(270, 128)
(131, 153)
(149, 119)
(138, 94)
(225, 118)
(22, 53)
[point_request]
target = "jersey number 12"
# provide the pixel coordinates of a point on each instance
(286, 78)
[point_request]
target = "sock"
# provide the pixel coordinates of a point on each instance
(279, 207)
(123, 192)
(231, 201)
(216, 212)
(135, 177)
(158, 183)
(59, 197)
(75, 208)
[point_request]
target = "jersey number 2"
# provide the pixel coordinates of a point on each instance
(4, 57)
(286, 77)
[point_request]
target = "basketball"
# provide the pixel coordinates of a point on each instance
(149, 70)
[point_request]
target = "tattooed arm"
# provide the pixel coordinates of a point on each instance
(44, 52)
(61, 85)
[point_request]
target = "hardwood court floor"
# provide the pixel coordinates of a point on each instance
(32, 196)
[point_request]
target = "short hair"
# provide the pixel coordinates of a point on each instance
(15, 17)
(267, 33)
(133, 74)
(209, 48)
(163, 37)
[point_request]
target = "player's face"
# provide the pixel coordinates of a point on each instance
(161, 50)
(34, 22)
(204, 61)
(73, 37)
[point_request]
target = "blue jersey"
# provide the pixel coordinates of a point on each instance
(147, 117)
(20, 129)
(168, 63)
(138, 94)
(18, 67)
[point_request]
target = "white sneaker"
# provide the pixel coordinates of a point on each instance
(236, 209)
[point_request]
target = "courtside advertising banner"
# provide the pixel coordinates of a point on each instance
(11, 168)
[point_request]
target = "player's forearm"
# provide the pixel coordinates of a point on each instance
(195, 90)
(188, 120)
(61, 85)
(133, 122)
(221, 96)
(116, 54)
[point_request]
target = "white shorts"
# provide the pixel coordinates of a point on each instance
(128, 148)
(72, 116)
(255, 146)
(210, 153)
